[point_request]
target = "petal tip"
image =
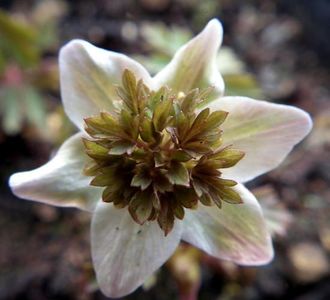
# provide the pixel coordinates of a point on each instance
(68, 50)
(305, 120)
(267, 256)
(11, 181)
(73, 43)
(263, 257)
(214, 30)
(309, 121)
(16, 182)
(215, 25)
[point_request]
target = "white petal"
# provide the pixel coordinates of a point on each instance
(60, 182)
(124, 253)
(88, 77)
(265, 131)
(236, 232)
(194, 64)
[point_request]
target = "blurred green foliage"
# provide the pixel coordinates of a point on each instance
(18, 42)
(24, 72)
(19, 105)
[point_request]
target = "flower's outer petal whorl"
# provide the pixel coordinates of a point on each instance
(59, 182)
(89, 76)
(194, 64)
(234, 232)
(124, 253)
(266, 132)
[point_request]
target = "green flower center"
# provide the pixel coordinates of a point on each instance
(158, 154)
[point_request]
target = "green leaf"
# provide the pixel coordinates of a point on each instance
(205, 96)
(107, 195)
(105, 126)
(157, 97)
(147, 131)
(188, 104)
(198, 124)
(112, 194)
(142, 94)
(178, 174)
(228, 157)
(206, 168)
(199, 147)
(215, 197)
(92, 169)
(198, 187)
(121, 147)
(155, 201)
(139, 154)
(215, 119)
(186, 197)
(130, 88)
(130, 124)
(140, 207)
(162, 184)
(181, 156)
(160, 159)
(119, 201)
(94, 150)
(102, 180)
(206, 199)
(229, 195)
(227, 182)
(182, 125)
(106, 119)
(178, 210)
(125, 97)
(162, 115)
(166, 217)
(129, 82)
(141, 180)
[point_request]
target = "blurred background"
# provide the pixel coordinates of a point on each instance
(273, 50)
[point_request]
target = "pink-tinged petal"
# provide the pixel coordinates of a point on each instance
(59, 182)
(194, 64)
(265, 131)
(124, 253)
(89, 76)
(236, 232)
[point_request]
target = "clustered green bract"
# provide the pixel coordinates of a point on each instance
(159, 154)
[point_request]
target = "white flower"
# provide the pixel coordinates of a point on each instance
(125, 253)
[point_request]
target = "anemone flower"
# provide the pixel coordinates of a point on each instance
(162, 159)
